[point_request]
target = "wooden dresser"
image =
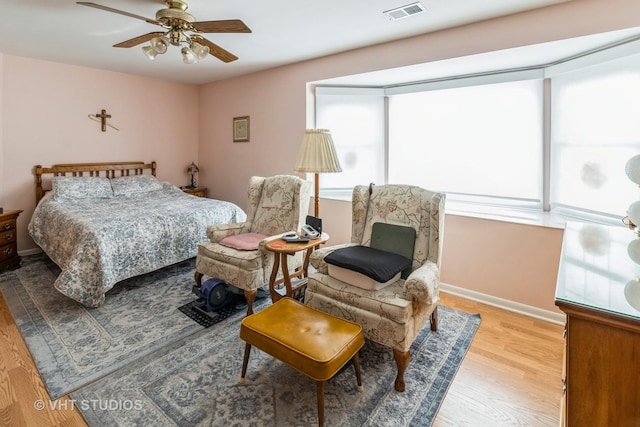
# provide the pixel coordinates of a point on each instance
(599, 290)
(9, 257)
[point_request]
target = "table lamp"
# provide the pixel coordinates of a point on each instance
(317, 155)
(193, 170)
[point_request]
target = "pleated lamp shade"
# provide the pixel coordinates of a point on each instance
(317, 155)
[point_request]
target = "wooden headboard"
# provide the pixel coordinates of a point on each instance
(109, 170)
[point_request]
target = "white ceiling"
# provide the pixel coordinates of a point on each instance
(283, 31)
(502, 60)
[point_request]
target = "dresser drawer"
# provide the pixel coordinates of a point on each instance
(9, 257)
(8, 251)
(8, 224)
(7, 236)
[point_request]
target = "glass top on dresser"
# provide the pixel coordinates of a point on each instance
(600, 268)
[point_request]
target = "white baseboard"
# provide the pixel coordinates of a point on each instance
(516, 307)
(29, 252)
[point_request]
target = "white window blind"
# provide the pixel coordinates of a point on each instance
(595, 130)
(355, 118)
(476, 142)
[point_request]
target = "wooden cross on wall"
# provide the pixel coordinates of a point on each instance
(103, 116)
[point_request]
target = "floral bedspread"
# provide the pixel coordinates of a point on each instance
(98, 242)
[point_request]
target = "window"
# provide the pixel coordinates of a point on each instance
(356, 121)
(499, 140)
(595, 130)
(473, 141)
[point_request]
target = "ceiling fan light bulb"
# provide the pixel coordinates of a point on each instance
(159, 44)
(187, 56)
(149, 52)
(200, 51)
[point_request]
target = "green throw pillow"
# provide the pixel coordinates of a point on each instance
(398, 239)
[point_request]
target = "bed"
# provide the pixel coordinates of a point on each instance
(102, 223)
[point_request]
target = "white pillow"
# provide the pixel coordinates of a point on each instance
(128, 185)
(81, 187)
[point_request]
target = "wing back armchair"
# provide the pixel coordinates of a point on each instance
(394, 314)
(276, 205)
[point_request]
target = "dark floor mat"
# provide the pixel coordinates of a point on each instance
(196, 310)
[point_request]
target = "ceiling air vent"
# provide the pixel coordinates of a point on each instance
(404, 11)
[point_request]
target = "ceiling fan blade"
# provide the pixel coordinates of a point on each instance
(120, 12)
(138, 40)
(225, 26)
(215, 50)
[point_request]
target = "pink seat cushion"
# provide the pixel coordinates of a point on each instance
(244, 241)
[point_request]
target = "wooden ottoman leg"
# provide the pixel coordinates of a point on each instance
(402, 361)
(356, 366)
(245, 361)
(320, 403)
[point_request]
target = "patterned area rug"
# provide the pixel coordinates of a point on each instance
(194, 382)
(73, 345)
(139, 361)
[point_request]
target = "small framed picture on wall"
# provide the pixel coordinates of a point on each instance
(241, 129)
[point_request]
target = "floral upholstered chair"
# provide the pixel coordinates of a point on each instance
(236, 253)
(392, 313)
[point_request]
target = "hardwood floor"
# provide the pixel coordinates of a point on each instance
(510, 376)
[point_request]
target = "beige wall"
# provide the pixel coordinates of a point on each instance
(511, 261)
(45, 122)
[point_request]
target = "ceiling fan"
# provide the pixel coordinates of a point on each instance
(177, 22)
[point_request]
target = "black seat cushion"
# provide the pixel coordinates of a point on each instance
(377, 264)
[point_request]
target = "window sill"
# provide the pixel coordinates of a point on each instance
(540, 219)
(556, 219)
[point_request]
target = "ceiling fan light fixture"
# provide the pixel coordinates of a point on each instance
(160, 44)
(199, 50)
(187, 56)
(176, 24)
(149, 52)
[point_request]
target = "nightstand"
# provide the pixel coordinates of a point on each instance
(200, 192)
(9, 257)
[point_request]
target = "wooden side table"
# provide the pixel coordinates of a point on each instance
(282, 249)
(199, 191)
(9, 257)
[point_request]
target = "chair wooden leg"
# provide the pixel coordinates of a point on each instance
(245, 361)
(402, 361)
(250, 296)
(356, 366)
(320, 403)
(434, 319)
(197, 276)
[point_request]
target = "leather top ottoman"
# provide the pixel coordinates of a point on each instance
(311, 341)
